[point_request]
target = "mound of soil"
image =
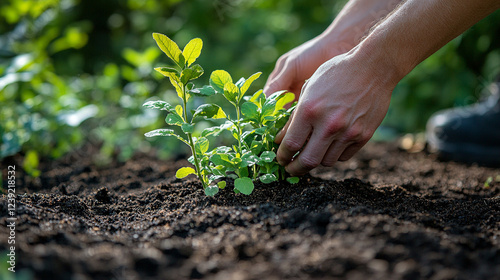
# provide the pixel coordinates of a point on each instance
(385, 214)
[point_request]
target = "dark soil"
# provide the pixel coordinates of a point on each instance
(386, 214)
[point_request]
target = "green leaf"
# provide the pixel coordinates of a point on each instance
(250, 111)
(267, 156)
(256, 147)
(268, 108)
(231, 92)
(211, 111)
(204, 91)
(192, 50)
(164, 132)
(248, 82)
(173, 77)
(174, 119)
(192, 73)
(211, 190)
(244, 185)
(218, 80)
(184, 171)
(179, 110)
(221, 184)
(170, 48)
(284, 99)
(293, 180)
(187, 128)
(162, 105)
(249, 159)
(201, 145)
(256, 96)
(268, 178)
(167, 71)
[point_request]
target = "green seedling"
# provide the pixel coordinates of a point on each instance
(255, 121)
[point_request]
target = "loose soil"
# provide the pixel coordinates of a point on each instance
(385, 214)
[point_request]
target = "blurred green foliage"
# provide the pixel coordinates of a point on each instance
(78, 71)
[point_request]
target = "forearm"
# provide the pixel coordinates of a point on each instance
(418, 28)
(355, 20)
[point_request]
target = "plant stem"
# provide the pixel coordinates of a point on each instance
(238, 116)
(191, 142)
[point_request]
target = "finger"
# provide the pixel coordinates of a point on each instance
(350, 151)
(279, 136)
(293, 140)
(282, 80)
(311, 155)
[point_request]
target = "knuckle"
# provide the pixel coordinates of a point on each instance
(292, 144)
(308, 162)
(334, 126)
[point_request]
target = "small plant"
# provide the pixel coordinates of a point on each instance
(255, 121)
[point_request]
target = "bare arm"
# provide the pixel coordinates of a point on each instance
(346, 31)
(348, 96)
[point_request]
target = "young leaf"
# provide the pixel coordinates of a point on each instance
(248, 159)
(293, 180)
(218, 80)
(184, 171)
(192, 50)
(179, 110)
(250, 111)
(204, 91)
(244, 185)
(201, 145)
(268, 178)
(256, 96)
(268, 108)
(248, 82)
(164, 132)
(210, 111)
(162, 105)
(174, 119)
(170, 48)
(284, 99)
(211, 190)
(267, 156)
(173, 77)
(187, 128)
(221, 184)
(231, 92)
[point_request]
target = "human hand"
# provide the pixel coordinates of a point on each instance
(296, 66)
(339, 109)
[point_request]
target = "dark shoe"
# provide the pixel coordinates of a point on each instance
(469, 134)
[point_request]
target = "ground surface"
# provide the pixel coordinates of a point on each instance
(386, 214)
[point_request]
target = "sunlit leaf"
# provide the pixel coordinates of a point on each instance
(192, 50)
(184, 171)
(211, 111)
(201, 145)
(249, 82)
(231, 92)
(170, 48)
(204, 91)
(164, 132)
(174, 119)
(218, 80)
(158, 104)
